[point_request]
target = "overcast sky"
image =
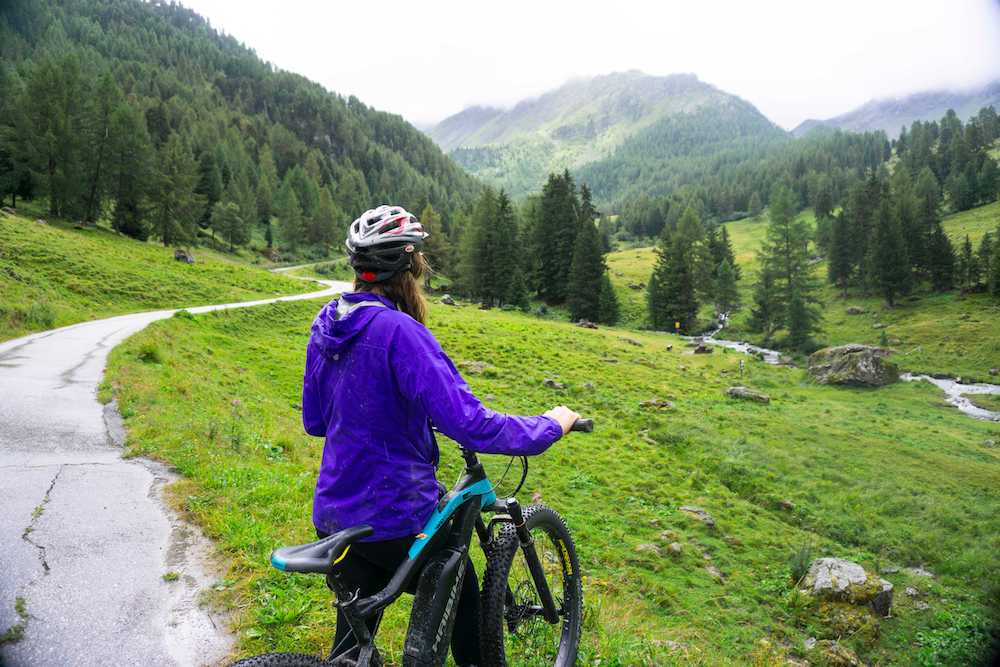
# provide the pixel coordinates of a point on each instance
(793, 59)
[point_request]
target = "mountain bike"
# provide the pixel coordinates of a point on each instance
(532, 593)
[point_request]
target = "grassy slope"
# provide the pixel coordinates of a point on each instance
(936, 333)
(54, 274)
(915, 485)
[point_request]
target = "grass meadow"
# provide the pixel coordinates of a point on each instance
(916, 485)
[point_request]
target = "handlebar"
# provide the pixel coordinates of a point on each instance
(583, 426)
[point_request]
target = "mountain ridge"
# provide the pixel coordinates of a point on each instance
(578, 123)
(890, 114)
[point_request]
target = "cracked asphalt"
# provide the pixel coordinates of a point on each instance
(85, 535)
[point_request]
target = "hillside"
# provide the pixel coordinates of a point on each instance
(143, 113)
(54, 274)
(586, 120)
(797, 474)
(950, 334)
(891, 114)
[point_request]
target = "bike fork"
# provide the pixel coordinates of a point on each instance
(549, 611)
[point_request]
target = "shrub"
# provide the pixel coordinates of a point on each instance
(798, 562)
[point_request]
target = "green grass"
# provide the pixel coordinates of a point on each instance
(985, 401)
(949, 333)
(887, 476)
(55, 274)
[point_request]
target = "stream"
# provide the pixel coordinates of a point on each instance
(955, 392)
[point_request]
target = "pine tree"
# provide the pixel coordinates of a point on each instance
(993, 282)
(326, 222)
(891, 260)
(437, 247)
(290, 217)
(985, 257)
(556, 236)
(839, 266)
(227, 222)
(608, 310)
(785, 260)
(766, 314)
(673, 305)
(130, 170)
(586, 271)
(802, 321)
(941, 259)
(210, 186)
(727, 296)
(96, 140)
(517, 291)
(968, 266)
(176, 205)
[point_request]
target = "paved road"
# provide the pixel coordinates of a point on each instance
(85, 537)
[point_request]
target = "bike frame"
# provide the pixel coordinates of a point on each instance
(462, 507)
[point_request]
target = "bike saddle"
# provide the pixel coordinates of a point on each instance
(318, 557)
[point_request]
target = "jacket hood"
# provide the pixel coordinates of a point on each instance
(344, 319)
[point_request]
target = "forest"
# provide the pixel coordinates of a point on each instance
(143, 115)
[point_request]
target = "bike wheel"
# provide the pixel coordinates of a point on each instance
(282, 660)
(432, 619)
(513, 631)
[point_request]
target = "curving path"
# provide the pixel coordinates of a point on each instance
(85, 536)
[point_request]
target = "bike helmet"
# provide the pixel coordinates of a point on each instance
(382, 241)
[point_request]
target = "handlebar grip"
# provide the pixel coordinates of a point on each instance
(583, 426)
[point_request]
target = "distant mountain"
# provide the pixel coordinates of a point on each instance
(891, 114)
(586, 121)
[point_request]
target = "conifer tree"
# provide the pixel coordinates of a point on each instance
(839, 266)
(608, 310)
(326, 221)
(517, 291)
(130, 171)
(985, 257)
(586, 271)
(766, 314)
(727, 296)
(209, 184)
(267, 185)
(290, 217)
(785, 261)
(437, 247)
(802, 321)
(993, 282)
(891, 260)
(228, 223)
(968, 266)
(176, 205)
(555, 236)
(673, 304)
(96, 139)
(941, 260)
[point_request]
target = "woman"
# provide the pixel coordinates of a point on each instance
(375, 380)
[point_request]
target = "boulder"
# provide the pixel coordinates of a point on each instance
(586, 324)
(632, 341)
(542, 310)
(994, 371)
(474, 367)
(700, 514)
(839, 580)
(447, 300)
(833, 654)
(552, 384)
(861, 365)
(656, 404)
(8, 210)
(919, 572)
(649, 548)
(182, 255)
(746, 394)
(40, 221)
(675, 549)
(855, 310)
(703, 348)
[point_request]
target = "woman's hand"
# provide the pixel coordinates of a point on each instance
(564, 416)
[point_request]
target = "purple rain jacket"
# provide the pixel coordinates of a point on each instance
(374, 377)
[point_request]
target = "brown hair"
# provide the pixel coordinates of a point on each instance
(404, 289)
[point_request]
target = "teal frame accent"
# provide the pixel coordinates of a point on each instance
(482, 488)
(277, 562)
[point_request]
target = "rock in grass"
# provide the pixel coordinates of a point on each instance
(552, 384)
(675, 549)
(839, 580)
(994, 371)
(699, 514)
(474, 367)
(919, 572)
(703, 348)
(855, 310)
(632, 341)
(746, 394)
(447, 300)
(649, 548)
(860, 365)
(833, 654)
(656, 404)
(586, 324)
(182, 255)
